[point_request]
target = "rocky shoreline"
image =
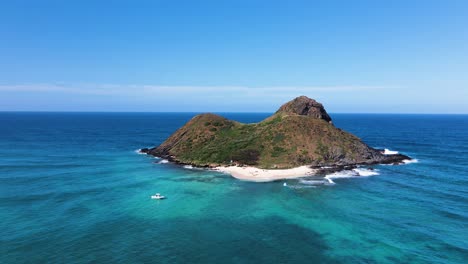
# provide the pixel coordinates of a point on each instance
(390, 159)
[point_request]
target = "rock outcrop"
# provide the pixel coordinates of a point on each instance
(303, 105)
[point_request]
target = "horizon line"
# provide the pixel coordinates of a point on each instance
(227, 112)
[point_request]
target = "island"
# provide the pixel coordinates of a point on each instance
(298, 140)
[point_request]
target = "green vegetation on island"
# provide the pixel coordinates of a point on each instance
(299, 133)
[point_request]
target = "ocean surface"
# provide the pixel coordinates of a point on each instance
(73, 190)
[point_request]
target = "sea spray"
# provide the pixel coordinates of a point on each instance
(138, 151)
(389, 152)
(354, 173)
(407, 161)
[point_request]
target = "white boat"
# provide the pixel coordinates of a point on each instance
(158, 196)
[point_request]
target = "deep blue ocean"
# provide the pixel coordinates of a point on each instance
(73, 190)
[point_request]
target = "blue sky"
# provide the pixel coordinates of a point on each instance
(353, 56)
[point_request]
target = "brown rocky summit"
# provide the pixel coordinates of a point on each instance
(303, 105)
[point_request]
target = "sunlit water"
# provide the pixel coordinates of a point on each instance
(73, 190)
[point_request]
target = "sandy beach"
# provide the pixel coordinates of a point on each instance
(262, 175)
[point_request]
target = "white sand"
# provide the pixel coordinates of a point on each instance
(261, 175)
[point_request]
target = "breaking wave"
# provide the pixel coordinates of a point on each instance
(366, 172)
(358, 172)
(390, 152)
(407, 161)
(138, 151)
(313, 182)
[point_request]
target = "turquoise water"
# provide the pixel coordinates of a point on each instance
(73, 190)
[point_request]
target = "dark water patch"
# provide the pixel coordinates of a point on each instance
(413, 180)
(203, 178)
(266, 240)
(66, 193)
(453, 214)
(431, 192)
(193, 193)
(27, 198)
(40, 167)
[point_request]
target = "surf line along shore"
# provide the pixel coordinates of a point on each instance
(248, 173)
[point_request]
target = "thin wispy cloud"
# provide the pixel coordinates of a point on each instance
(140, 97)
(149, 97)
(158, 90)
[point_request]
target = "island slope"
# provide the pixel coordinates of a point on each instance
(300, 133)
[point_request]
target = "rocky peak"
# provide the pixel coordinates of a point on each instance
(306, 106)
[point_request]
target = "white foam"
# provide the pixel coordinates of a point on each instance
(312, 182)
(189, 167)
(163, 161)
(330, 181)
(342, 174)
(407, 161)
(138, 151)
(358, 172)
(390, 152)
(298, 187)
(366, 172)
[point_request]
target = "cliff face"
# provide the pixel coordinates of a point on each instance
(299, 133)
(305, 106)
